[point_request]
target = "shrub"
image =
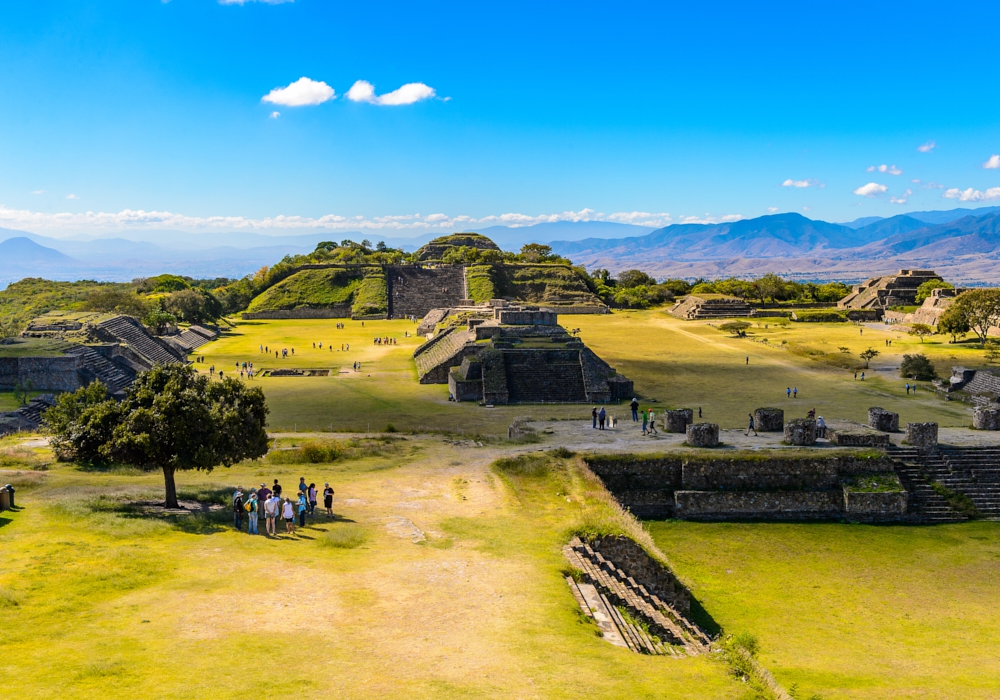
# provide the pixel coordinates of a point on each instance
(523, 465)
(345, 537)
(737, 328)
(917, 367)
(820, 316)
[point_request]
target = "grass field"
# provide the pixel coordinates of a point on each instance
(676, 363)
(438, 580)
(854, 611)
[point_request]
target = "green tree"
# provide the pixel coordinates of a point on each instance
(954, 323)
(193, 305)
(158, 320)
(536, 252)
(770, 286)
(925, 289)
(737, 328)
(921, 330)
(981, 310)
(117, 300)
(635, 278)
(172, 419)
(869, 355)
(917, 367)
(22, 391)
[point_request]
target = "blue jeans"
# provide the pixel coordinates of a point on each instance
(238, 519)
(635, 414)
(252, 527)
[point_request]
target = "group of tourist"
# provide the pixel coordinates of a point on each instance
(269, 504)
(385, 340)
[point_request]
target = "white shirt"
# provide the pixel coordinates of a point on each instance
(271, 506)
(289, 511)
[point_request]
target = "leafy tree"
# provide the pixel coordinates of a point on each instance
(917, 367)
(733, 286)
(165, 283)
(869, 355)
(536, 252)
(635, 278)
(9, 327)
(172, 419)
(981, 310)
(992, 351)
(158, 320)
(920, 330)
(831, 291)
(925, 289)
(770, 286)
(703, 288)
(22, 390)
(193, 305)
(118, 300)
(954, 323)
(677, 287)
(737, 328)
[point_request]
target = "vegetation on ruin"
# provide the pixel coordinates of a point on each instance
(22, 301)
(925, 289)
(372, 295)
(313, 289)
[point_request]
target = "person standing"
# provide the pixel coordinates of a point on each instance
(652, 422)
(312, 499)
(276, 489)
(645, 421)
(302, 484)
(288, 513)
(750, 426)
(635, 409)
(820, 427)
(862, 376)
(593, 417)
(238, 508)
(788, 392)
(303, 508)
(328, 500)
(252, 514)
(271, 507)
(795, 392)
(907, 388)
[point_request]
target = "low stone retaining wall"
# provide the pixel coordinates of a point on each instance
(922, 435)
(41, 373)
(881, 419)
(772, 505)
(868, 506)
(630, 557)
(859, 438)
(800, 432)
(339, 311)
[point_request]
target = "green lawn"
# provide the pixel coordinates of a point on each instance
(853, 611)
(677, 363)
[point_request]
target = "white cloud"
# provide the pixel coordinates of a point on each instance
(891, 169)
(993, 163)
(806, 208)
(927, 147)
(363, 91)
(72, 196)
(901, 200)
(274, 115)
(971, 195)
(152, 220)
(38, 192)
(772, 209)
(811, 182)
(933, 186)
(303, 92)
(872, 189)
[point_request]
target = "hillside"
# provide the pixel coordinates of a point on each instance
(312, 289)
(439, 247)
(22, 301)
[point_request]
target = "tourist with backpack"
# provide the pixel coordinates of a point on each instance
(251, 508)
(238, 508)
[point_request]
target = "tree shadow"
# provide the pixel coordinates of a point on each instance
(5, 521)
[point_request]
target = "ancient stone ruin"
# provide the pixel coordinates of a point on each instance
(694, 307)
(986, 418)
(703, 435)
(769, 420)
(520, 355)
(800, 432)
(923, 436)
(891, 290)
(881, 419)
(678, 420)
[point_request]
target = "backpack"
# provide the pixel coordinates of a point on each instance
(248, 507)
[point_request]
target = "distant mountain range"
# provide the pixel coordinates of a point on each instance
(961, 244)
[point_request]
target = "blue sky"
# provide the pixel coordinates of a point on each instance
(645, 112)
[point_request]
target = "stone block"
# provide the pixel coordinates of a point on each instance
(986, 418)
(769, 420)
(677, 421)
(860, 438)
(922, 435)
(703, 435)
(800, 431)
(881, 419)
(886, 505)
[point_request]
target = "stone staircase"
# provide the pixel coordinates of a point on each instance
(97, 367)
(130, 332)
(605, 590)
(415, 290)
(436, 352)
(971, 471)
(532, 381)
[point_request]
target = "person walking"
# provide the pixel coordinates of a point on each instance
(795, 392)
(855, 375)
(312, 499)
(788, 392)
(602, 416)
(271, 508)
(593, 417)
(862, 376)
(635, 409)
(303, 508)
(750, 426)
(645, 421)
(288, 513)
(252, 505)
(699, 411)
(907, 388)
(238, 508)
(652, 422)
(328, 500)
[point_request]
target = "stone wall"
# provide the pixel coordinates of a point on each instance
(800, 432)
(678, 420)
(922, 435)
(985, 418)
(43, 373)
(646, 571)
(335, 311)
(868, 506)
(883, 420)
(703, 435)
(772, 505)
(769, 420)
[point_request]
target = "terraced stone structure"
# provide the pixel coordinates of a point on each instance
(521, 355)
(888, 291)
(694, 307)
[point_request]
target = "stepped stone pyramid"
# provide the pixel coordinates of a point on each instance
(694, 307)
(891, 290)
(521, 355)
